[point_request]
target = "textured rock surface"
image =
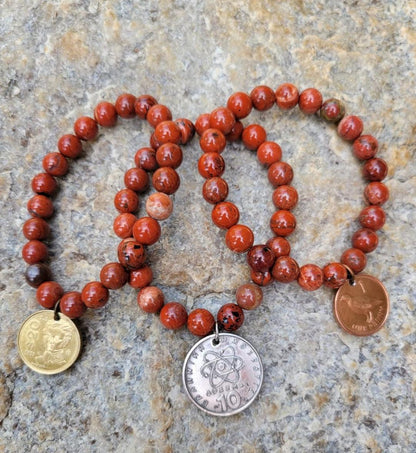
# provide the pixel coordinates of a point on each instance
(323, 390)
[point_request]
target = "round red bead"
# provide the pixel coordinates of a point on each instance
(215, 190)
(285, 197)
(55, 164)
(240, 104)
(372, 217)
(230, 317)
(48, 294)
(212, 140)
(211, 165)
(335, 275)
(239, 238)
(125, 105)
(186, 129)
(287, 96)
(150, 299)
(261, 278)
(222, 119)
(365, 239)
(44, 184)
(249, 296)
(94, 295)
(167, 132)
(146, 230)
(310, 277)
(376, 193)
(280, 173)
(200, 322)
(365, 147)
(34, 252)
(263, 97)
(36, 228)
(136, 179)
(350, 127)
(173, 315)
(260, 258)
(86, 128)
(279, 246)
(123, 225)
(283, 223)
(145, 158)
(310, 101)
(268, 153)
(169, 155)
(332, 110)
(140, 278)
(166, 180)
(355, 259)
(285, 269)
(113, 276)
(143, 104)
(202, 123)
(253, 136)
(70, 146)
(158, 113)
(225, 215)
(126, 200)
(40, 206)
(105, 114)
(72, 305)
(131, 254)
(375, 169)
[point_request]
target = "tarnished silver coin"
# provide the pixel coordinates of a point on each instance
(222, 374)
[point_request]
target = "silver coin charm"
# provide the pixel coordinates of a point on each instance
(222, 374)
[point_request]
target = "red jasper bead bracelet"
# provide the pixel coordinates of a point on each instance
(131, 253)
(268, 262)
(272, 261)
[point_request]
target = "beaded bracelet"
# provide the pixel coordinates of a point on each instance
(48, 340)
(222, 373)
(361, 304)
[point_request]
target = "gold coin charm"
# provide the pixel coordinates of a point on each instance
(48, 343)
(362, 308)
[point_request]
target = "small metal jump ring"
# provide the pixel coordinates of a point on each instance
(350, 275)
(216, 339)
(56, 311)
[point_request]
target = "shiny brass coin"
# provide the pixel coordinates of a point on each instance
(46, 345)
(362, 308)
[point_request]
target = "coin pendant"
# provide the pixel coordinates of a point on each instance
(46, 345)
(222, 378)
(362, 308)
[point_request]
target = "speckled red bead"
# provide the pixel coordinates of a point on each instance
(230, 317)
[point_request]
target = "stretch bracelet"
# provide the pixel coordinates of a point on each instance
(222, 373)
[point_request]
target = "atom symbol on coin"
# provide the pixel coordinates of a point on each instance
(222, 367)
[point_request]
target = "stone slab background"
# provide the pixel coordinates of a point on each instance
(324, 390)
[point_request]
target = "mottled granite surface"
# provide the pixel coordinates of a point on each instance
(324, 390)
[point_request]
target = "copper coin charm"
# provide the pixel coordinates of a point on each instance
(361, 308)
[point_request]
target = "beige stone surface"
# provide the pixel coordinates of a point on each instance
(324, 390)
